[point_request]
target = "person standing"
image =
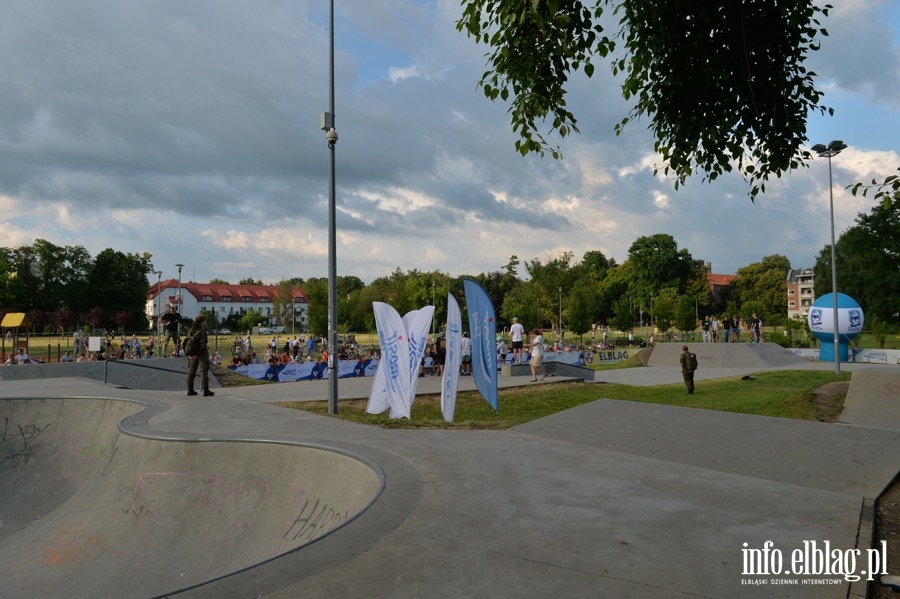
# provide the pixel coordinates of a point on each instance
(198, 350)
(754, 325)
(704, 324)
(537, 355)
(517, 332)
(465, 348)
(688, 366)
(501, 351)
(171, 320)
(726, 329)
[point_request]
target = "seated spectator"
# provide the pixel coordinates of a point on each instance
(67, 357)
(22, 357)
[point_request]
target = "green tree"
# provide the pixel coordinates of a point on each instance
(658, 264)
(664, 309)
(722, 84)
(764, 282)
(868, 263)
(580, 312)
(118, 282)
(624, 315)
(215, 281)
(249, 281)
(525, 303)
(616, 286)
(283, 305)
(317, 290)
(250, 319)
(886, 192)
(685, 317)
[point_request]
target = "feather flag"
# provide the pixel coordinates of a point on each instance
(483, 327)
(417, 324)
(392, 380)
(453, 359)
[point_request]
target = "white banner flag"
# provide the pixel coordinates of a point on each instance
(417, 330)
(392, 378)
(452, 361)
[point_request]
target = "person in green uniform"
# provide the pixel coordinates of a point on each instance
(196, 347)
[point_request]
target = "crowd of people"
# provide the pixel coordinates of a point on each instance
(729, 329)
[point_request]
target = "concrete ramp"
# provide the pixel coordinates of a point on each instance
(874, 398)
(88, 511)
(727, 355)
(154, 375)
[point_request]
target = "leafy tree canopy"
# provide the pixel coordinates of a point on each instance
(764, 282)
(657, 264)
(868, 264)
(722, 82)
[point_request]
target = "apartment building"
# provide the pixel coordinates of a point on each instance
(800, 292)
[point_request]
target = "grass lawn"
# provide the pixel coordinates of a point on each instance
(783, 394)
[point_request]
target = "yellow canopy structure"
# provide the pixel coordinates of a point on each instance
(14, 320)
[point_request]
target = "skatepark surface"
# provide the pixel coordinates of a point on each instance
(109, 491)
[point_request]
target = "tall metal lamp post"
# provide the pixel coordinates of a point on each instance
(178, 301)
(158, 274)
(178, 297)
(560, 316)
(331, 137)
(833, 149)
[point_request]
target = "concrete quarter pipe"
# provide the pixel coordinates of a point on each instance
(87, 510)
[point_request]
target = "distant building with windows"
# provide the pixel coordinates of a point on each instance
(224, 301)
(800, 292)
(719, 286)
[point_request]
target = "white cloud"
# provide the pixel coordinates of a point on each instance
(192, 133)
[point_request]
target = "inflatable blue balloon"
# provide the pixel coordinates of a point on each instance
(821, 323)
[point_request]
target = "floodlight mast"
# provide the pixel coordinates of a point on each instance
(833, 149)
(331, 137)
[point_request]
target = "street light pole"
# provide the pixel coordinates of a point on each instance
(331, 137)
(178, 301)
(158, 274)
(178, 296)
(833, 149)
(560, 317)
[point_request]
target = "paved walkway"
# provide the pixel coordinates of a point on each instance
(610, 499)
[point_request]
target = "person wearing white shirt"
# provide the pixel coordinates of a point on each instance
(517, 331)
(537, 355)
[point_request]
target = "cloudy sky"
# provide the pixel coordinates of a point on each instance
(190, 130)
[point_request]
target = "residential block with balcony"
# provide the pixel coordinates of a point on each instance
(800, 292)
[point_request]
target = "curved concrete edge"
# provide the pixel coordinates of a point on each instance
(402, 493)
(400, 489)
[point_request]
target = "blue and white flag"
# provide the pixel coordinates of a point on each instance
(392, 380)
(452, 360)
(417, 322)
(483, 328)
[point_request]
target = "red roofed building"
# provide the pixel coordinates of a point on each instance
(223, 301)
(719, 285)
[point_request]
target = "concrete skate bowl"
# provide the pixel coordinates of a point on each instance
(89, 511)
